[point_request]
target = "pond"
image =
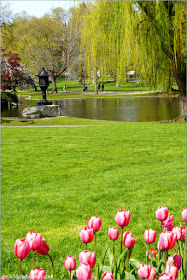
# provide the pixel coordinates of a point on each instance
(129, 109)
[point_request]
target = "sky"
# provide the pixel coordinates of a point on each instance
(37, 8)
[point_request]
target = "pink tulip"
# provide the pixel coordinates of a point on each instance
(21, 248)
(87, 257)
(70, 263)
(165, 276)
(175, 260)
(34, 240)
(113, 233)
(86, 234)
(172, 271)
(83, 272)
(152, 274)
(184, 214)
(178, 232)
(107, 276)
(43, 249)
(123, 217)
(95, 223)
(128, 240)
(149, 235)
(37, 274)
(167, 240)
(162, 213)
(183, 230)
(168, 221)
(144, 271)
(153, 251)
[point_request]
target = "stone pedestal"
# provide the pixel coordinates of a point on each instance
(41, 111)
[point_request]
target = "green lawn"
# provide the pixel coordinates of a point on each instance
(53, 179)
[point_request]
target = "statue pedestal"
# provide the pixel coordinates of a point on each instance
(41, 111)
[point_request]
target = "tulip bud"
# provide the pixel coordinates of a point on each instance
(165, 276)
(37, 274)
(21, 248)
(178, 232)
(128, 240)
(144, 271)
(184, 214)
(87, 257)
(113, 233)
(43, 249)
(34, 240)
(70, 263)
(149, 235)
(167, 240)
(95, 223)
(172, 271)
(174, 260)
(123, 217)
(183, 230)
(83, 272)
(107, 276)
(86, 234)
(152, 275)
(162, 213)
(153, 251)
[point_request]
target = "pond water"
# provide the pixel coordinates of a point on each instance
(129, 109)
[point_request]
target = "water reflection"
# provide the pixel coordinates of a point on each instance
(129, 109)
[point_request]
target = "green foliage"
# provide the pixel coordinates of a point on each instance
(8, 97)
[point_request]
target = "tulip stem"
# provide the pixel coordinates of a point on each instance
(185, 250)
(127, 260)
(148, 253)
(20, 268)
(166, 256)
(121, 238)
(113, 254)
(33, 259)
(53, 270)
(95, 242)
(70, 275)
(161, 228)
(85, 246)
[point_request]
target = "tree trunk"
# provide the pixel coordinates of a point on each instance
(53, 79)
(95, 81)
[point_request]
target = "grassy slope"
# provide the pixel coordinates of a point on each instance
(54, 178)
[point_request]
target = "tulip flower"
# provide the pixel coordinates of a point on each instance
(86, 235)
(183, 230)
(152, 274)
(172, 271)
(150, 235)
(37, 274)
(122, 218)
(162, 213)
(87, 257)
(21, 250)
(94, 223)
(144, 271)
(153, 251)
(70, 264)
(83, 272)
(168, 221)
(184, 214)
(113, 233)
(34, 240)
(178, 232)
(43, 249)
(170, 228)
(165, 276)
(128, 241)
(107, 276)
(167, 240)
(175, 260)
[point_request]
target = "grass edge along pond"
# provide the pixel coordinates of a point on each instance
(54, 178)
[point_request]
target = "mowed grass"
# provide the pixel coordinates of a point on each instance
(53, 179)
